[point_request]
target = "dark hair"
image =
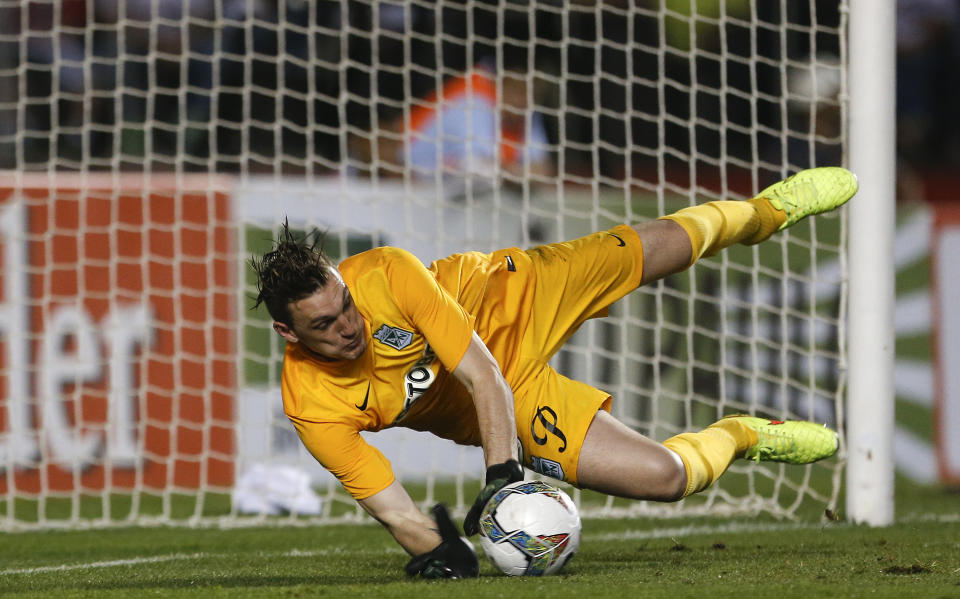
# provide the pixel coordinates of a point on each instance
(292, 270)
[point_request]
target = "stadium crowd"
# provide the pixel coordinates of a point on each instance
(258, 85)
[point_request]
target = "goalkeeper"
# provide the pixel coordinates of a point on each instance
(460, 349)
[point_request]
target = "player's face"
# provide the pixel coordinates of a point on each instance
(327, 323)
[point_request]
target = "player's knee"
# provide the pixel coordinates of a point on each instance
(666, 249)
(643, 468)
(662, 479)
(672, 477)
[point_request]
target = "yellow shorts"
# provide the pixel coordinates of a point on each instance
(575, 281)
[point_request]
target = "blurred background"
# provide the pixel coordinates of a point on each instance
(164, 79)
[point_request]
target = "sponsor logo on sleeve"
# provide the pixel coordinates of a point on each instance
(417, 380)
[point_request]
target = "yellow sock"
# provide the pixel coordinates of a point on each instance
(707, 455)
(716, 225)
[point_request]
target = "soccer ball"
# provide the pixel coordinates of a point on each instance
(530, 528)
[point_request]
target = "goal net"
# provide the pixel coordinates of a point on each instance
(148, 149)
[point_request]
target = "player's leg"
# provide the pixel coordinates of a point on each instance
(616, 460)
(619, 461)
(676, 241)
(667, 249)
(645, 469)
(579, 279)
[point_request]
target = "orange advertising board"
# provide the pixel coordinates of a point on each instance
(117, 333)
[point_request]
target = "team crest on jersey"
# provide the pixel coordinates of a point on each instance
(394, 337)
(548, 467)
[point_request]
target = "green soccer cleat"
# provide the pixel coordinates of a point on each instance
(809, 192)
(789, 441)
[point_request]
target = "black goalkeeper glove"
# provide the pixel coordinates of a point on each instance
(498, 476)
(453, 558)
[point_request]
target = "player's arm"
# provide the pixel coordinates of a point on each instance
(447, 328)
(493, 398)
(436, 546)
(393, 508)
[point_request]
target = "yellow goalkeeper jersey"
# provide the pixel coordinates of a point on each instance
(419, 322)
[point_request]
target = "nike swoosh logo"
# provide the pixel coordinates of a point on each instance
(363, 406)
(620, 242)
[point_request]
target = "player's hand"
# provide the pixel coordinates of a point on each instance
(453, 558)
(498, 476)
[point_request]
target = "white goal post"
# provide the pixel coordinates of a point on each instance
(870, 415)
(148, 149)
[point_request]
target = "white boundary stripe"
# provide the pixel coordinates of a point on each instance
(173, 557)
(656, 533)
(108, 564)
(692, 529)
(925, 517)
(750, 527)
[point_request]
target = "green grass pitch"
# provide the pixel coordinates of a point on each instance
(692, 557)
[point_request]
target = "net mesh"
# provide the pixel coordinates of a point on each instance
(149, 148)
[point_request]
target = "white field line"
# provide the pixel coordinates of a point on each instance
(171, 557)
(598, 538)
(692, 529)
(107, 564)
(630, 534)
(750, 527)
